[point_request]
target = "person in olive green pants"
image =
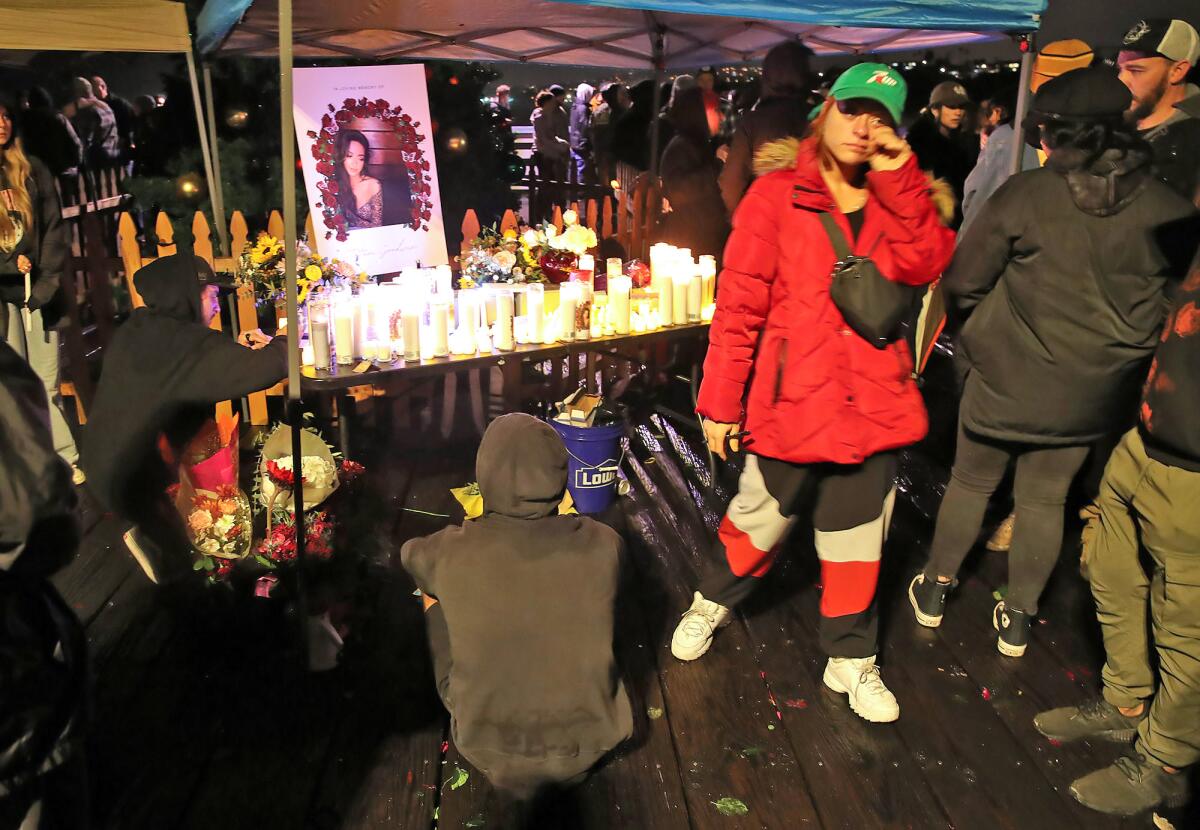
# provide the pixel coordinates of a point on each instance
(1141, 554)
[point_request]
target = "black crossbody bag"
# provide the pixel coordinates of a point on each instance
(872, 305)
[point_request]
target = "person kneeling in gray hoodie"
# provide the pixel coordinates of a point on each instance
(520, 616)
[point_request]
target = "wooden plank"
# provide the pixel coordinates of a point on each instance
(239, 234)
(97, 571)
(509, 221)
(606, 229)
(726, 732)
(470, 229)
(556, 217)
(99, 276)
(131, 256)
(310, 232)
(591, 217)
(636, 236)
(202, 245)
(165, 234)
(275, 224)
(861, 774)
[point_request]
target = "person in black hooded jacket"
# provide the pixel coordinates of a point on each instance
(43, 659)
(163, 373)
(1064, 277)
(526, 671)
(782, 112)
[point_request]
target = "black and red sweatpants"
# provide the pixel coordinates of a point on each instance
(851, 507)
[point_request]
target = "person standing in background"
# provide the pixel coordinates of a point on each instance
(96, 126)
(941, 144)
(614, 100)
(123, 112)
(706, 79)
(34, 251)
(782, 112)
(580, 130)
(57, 145)
(695, 218)
(1155, 60)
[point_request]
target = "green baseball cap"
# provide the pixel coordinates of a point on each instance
(875, 81)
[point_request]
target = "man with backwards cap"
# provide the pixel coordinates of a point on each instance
(937, 138)
(1155, 60)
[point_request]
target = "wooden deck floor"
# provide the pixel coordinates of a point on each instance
(204, 720)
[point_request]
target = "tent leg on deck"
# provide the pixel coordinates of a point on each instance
(1023, 97)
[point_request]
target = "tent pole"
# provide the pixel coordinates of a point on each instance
(658, 46)
(204, 148)
(217, 194)
(287, 135)
(1023, 96)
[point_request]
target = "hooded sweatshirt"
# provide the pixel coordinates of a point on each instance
(581, 119)
(163, 373)
(1063, 275)
(1176, 144)
(528, 596)
(781, 113)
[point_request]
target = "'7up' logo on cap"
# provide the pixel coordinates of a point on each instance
(882, 76)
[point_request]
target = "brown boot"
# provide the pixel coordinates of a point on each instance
(1001, 540)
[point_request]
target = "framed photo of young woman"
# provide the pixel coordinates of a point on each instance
(366, 147)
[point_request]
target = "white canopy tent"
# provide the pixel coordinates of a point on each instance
(539, 31)
(113, 26)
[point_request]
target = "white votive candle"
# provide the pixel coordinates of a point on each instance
(568, 300)
(504, 320)
(679, 299)
(343, 333)
(410, 322)
(535, 304)
(695, 298)
(619, 289)
(439, 327)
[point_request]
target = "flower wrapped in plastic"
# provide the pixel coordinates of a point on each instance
(318, 475)
(219, 525)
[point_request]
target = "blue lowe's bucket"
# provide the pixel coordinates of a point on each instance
(594, 457)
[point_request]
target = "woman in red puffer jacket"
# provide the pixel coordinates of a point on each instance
(822, 408)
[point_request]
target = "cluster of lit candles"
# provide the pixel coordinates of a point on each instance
(420, 317)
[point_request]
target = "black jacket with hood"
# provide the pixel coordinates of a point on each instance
(1063, 276)
(163, 373)
(1176, 144)
(42, 651)
(46, 243)
(528, 596)
(782, 112)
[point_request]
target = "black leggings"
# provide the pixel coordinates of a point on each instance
(1043, 477)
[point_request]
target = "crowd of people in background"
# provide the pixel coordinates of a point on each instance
(88, 127)
(1074, 296)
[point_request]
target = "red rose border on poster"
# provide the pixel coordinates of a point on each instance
(403, 127)
(376, 228)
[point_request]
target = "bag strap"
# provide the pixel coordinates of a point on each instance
(841, 247)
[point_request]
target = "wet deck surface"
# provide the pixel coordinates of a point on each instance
(204, 718)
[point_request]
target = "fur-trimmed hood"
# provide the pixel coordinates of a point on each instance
(781, 155)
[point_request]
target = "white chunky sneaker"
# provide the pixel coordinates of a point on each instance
(694, 633)
(858, 679)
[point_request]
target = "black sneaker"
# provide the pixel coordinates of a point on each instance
(1013, 626)
(1130, 786)
(928, 599)
(1096, 718)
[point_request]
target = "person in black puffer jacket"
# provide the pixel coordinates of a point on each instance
(781, 113)
(1064, 277)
